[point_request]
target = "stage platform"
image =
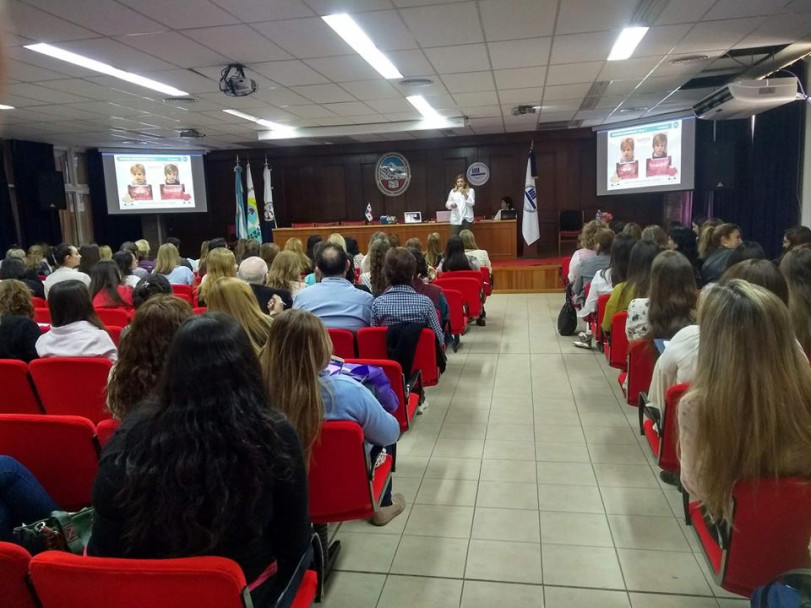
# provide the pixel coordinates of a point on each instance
(527, 276)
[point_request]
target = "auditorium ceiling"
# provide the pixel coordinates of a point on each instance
(483, 58)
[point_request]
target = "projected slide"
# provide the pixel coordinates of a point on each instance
(644, 156)
(147, 182)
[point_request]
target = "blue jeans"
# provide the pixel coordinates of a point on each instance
(22, 498)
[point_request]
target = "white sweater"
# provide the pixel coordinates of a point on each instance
(79, 339)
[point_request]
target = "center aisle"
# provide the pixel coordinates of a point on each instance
(526, 486)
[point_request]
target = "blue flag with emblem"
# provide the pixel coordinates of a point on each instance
(529, 223)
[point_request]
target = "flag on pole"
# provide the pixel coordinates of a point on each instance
(241, 225)
(529, 223)
(254, 229)
(270, 213)
(369, 216)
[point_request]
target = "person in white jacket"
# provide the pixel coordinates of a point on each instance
(460, 203)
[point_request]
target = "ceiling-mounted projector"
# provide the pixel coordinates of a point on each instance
(745, 98)
(234, 83)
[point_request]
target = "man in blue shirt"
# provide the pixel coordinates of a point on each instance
(333, 299)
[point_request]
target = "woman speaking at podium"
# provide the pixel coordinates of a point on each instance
(460, 203)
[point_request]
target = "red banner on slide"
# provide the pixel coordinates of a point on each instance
(173, 192)
(140, 193)
(628, 170)
(656, 167)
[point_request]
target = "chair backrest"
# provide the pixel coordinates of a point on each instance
(394, 373)
(200, 310)
(668, 445)
(115, 317)
(42, 315)
(343, 342)
(771, 525)
(469, 287)
(564, 269)
(570, 220)
(106, 429)
(17, 395)
(487, 277)
(642, 355)
(602, 301)
(372, 345)
(464, 274)
(58, 450)
(73, 385)
(456, 304)
(339, 477)
(14, 591)
(39, 302)
(63, 580)
(115, 334)
(619, 341)
(184, 292)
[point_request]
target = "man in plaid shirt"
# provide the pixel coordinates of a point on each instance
(400, 303)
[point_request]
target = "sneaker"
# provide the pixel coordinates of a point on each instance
(585, 345)
(422, 407)
(584, 337)
(669, 478)
(385, 514)
(481, 322)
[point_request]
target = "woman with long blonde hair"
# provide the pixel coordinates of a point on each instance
(796, 267)
(748, 412)
(375, 278)
(168, 264)
(434, 250)
(235, 298)
(285, 273)
(294, 367)
(220, 262)
(705, 237)
(295, 245)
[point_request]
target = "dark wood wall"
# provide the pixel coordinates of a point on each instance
(334, 182)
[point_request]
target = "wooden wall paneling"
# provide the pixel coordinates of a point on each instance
(329, 191)
(505, 180)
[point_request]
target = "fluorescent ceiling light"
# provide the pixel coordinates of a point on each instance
(98, 66)
(418, 101)
(626, 43)
(355, 37)
(2, 107)
(457, 122)
(260, 121)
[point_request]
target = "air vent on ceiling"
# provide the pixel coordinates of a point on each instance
(559, 125)
(414, 83)
(648, 12)
(179, 100)
(633, 110)
(593, 95)
(524, 109)
(686, 59)
(191, 133)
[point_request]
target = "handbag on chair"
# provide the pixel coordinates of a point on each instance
(62, 531)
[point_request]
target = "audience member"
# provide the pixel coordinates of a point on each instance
(633, 230)
(725, 238)
(89, 253)
(586, 247)
(22, 498)
(434, 251)
(394, 239)
(472, 250)
(336, 238)
(794, 237)
(422, 286)
(747, 250)
(239, 250)
(400, 303)
(106, 288)
(268, 252)
(302, 389)
(310, 279)
(144, 248)
(603, 241)
(14, 268)
(168, 264)
(135, 377)
(294, 246)
(748, 412)
(254, 272)
(220, 262)
(656, 234)
(35, 260)
(18, 332)
(133, 249)
(796, 267)
(364, 265)
(414, 243)
(286, 273)
(105, 253)
(352, 250)
(252, 249)
(207, 468)
(636, 284)
(65, 259)
(201, 263)
(146, 288)
(705, 245)
(506, 204)
(455, 257)
(76, 330)
(333, 299)
(375, 277)
(172, 240)
(235, 298)
(683, 240)
(312, 241)
(126, 268)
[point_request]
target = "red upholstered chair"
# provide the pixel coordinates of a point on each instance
(14, 589)
(39, 302)
(343, 342)
(570, 223)
(663, 434)
(106, 429)
(408, 397)
(58, 450)
(44, 328)
(768, 534)
(326, 224)
(372, 345)
(63, 580)
(42, 315)
(470, 289)
(343, 485)
(353, 223)
(598, 329)
(472, 274)
(458, 314)
(115, 317)
(303, 224)
(357, 276)
(564, 270)
(618, 357)
(200, 310)
(487, 277)
(115, 334)
(17, 395)
(642, 355)
(184, 292)
(73, 385)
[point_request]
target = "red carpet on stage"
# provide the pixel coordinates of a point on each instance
(528, 262)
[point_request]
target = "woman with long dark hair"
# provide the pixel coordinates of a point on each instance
(636, 284)
(455, 257)
(65, 259)
(207, 468)
(106, 288)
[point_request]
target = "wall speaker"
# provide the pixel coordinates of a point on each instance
(51, 190)
(718, 166)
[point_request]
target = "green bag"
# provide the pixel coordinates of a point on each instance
(62, 531)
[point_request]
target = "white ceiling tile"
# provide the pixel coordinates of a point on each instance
(731, 9)
(38, 25)
(483, 98)
(366, 119)
(609, 102)
(16, 101)
(469, 82)
(184, 51)
(311, 111)
(463, 58)
(567, 91)
(684, 11)
(329, 7)
(511, 19)
(520, 78)
(443, 102)
(386, 106)
(660, 40)
(323, 93)
(26, 72)
(111, 20)
(435, 88)
(582, 47)
(444, 24)
(555, 116)
(281, 96)
(636, 67)
(371, 89)
(118, 55)
(620, 87)
(531, 96)
(106, 109)
(561, 105)
(239, 43)
(398, 116)
(33, 91)
(387, 30)
(717, 35)
(185, 80)
(668, 69)
(411, 63)
(251, 11)
(289, 73)
(780, 29)
(578, 16)
(54, 65)
(661, 85)
(519, 53)
(574, 73)
(591, 115)
(305, 38)
(481, 111)
(346, 68)
(348, 108)
(192, 14)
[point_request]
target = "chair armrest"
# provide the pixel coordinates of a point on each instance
(314, 551)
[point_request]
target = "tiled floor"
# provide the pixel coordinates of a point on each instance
(526, 485)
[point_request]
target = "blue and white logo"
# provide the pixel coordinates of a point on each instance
(478, 174)
(392, 174)
(530, 199)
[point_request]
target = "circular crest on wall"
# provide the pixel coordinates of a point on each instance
(478, 174)
(392, 174)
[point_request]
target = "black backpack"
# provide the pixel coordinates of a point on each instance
(567, 317)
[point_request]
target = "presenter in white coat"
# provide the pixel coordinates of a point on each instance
(460, 203)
